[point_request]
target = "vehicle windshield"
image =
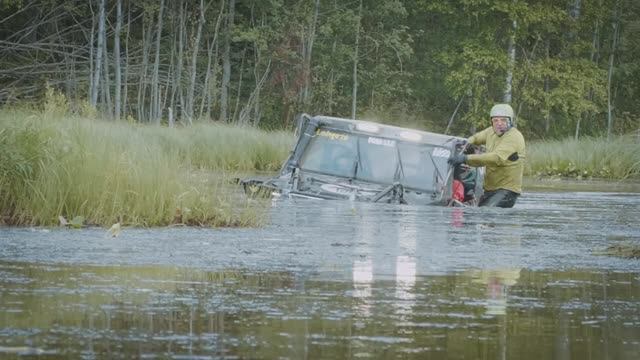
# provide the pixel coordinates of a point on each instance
(375, 159)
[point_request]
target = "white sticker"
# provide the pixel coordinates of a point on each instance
(383, 142)
(441, 152)
(336, 189)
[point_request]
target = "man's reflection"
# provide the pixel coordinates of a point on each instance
(497, 283)
(362, 281)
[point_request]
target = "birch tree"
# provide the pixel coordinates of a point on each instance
(614, 44)
(212, 58)
(226, 64)
(155, 112)
(355, 64)
(97, 70)
(308, 50)
(116, 61)
(194, 63)
(511, 63)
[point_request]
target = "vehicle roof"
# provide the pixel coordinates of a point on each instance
(386, 131)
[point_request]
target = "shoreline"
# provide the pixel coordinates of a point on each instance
(534, 184)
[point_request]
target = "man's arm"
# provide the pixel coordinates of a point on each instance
(499, 156)
(480, 138)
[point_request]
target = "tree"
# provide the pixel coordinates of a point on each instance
(117, 62)
(97, 71)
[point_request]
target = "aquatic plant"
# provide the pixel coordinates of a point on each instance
(627, 251)
(110, 172)
(617, 158)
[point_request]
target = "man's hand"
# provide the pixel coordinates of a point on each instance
(457, 159)
(461, 143)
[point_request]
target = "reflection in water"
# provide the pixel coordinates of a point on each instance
(405, 269)
(405, 277)
(335, 280)
(161, 311)
(362, 280)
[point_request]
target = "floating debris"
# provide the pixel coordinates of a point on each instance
(627, 251)
(115, 229)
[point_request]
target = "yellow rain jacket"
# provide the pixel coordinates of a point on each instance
(502, 172)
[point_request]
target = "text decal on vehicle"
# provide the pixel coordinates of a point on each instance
(383, 142)
(441, 152)
(332, 135)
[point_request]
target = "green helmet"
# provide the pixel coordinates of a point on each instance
(502, 110)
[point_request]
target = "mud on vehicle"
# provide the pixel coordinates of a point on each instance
(336, 158)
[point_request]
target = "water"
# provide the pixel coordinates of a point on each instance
(335, 280)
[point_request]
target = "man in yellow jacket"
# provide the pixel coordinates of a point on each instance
(503, 159)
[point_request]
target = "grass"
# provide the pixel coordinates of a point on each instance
(55, 165)
(615, 159)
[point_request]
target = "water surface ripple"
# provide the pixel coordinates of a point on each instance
(335, 280)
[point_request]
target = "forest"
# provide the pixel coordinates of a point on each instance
(569, 67)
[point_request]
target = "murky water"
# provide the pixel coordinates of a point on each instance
(335, 280)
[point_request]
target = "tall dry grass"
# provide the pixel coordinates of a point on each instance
(55, 165)
(618, 158)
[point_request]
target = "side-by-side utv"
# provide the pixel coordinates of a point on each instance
(337, 158)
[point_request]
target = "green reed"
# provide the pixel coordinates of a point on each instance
(617, 158)
(54, 165)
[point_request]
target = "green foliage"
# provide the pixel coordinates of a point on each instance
(476, 72)
(416, 58)
(77, 222)
(576, 88)
(55, 103)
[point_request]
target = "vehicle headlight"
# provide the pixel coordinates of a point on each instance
(411, 136)
(367, 127)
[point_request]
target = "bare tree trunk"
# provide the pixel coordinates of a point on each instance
(594, 58)
(69, 68)
(212, 95)
(453, 116)
(205, 87)
(210, 57)
(177, 84)
(91, 62)
(168, 86)
(97, 71)
(508, 89)
(172, 71)
(307, 54)
(126, 64)
(574, 13)
(332, 79)
(239, 91)
(547, 117)
(575, 9)
(614, 45)
(253, 98)
(155, 112)
(142, 86)
(256, 93)
(253, 104)
(354, 96)
(107, 80)
(226, 64)
(116, 61)
(194, 63)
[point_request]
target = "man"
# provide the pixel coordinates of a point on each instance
(503, 159)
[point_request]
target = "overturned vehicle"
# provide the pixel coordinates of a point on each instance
(337, 158)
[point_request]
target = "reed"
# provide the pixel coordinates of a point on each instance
(54, 165)
(618, 158)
